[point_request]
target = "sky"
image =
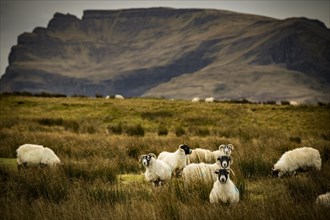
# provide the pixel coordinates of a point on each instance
(19, 16)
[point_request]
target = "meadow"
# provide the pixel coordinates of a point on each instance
(100, 140)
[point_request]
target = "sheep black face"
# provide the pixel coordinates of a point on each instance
(145, 159)
(186, 149)
(223, 175)
(275, 172)
(225, 161)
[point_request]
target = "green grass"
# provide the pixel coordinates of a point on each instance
(10, 163)
(100, 141)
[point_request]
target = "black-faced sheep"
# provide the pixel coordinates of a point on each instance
(157, 171)
(224, 190)
(176, 160)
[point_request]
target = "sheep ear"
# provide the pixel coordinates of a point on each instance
(230, 158)
(153, 155)
(140, 159)
(216, 171)
(222, 146)
(231, 146)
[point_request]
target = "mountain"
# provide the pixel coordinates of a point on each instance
(174, 53)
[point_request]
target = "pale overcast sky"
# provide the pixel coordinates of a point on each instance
(23, 16)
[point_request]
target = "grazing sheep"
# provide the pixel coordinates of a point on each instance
(119, 96)
(299, 158)
(32, 154)
(209, 100)
(323, 200)
(157, 171)
(224, 190)
(176, 160)
(200, 171)
(195, 99)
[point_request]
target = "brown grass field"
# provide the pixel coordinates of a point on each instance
(100, 142)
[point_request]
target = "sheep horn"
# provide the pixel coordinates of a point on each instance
(222, 146)
(232, 171)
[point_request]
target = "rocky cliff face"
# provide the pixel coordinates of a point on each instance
(175, 53)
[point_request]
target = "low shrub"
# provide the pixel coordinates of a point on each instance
(135, 130)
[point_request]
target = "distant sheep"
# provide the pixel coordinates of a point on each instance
(224, 190)
(176, 160)
(195, 99)
(299, 158)
(209, 100)
(119, 97)
(323, 200)
(32, 154)
(157, 171)
(294, 103)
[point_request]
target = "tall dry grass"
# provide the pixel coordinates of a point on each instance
(102, 179)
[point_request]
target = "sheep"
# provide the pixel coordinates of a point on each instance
(195, 99)
(200, 171)
(224, 149)
(294, 103)
(199, 155)
(176, 160)
(209, 100)
(224, 190)
(32, 154)
(119, 96)
(157, 171)
(204, 171)
(323, 200)
(225, 161)
(299, 158)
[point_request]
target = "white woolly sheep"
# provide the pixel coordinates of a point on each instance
(176, 160)
(323, 200)
(199, 155)
(119, 96)
(209, 100)
(157, 171)
(195, 99)
(224, 190)
(299, 158)
(32, 154)
(200, 171)
(205, 171)
(224, 149)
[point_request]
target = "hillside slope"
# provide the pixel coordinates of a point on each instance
(174, 53)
